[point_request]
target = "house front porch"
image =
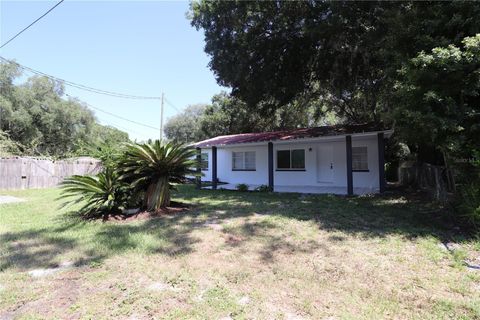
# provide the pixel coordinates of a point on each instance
(301, 189)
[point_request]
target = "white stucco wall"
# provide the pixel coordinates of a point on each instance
(226, 174)
(368, 179)
(309, 176)
(298, 178)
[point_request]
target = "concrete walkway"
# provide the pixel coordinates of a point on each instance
(302, 189)
(9, 199)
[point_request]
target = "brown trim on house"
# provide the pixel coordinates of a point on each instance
(244, 169)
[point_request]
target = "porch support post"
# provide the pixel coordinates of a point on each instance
(270, 166)
(214, 168)
(198, 178)
(348, 143)
(381, 161)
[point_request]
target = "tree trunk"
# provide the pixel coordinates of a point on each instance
(158, 195)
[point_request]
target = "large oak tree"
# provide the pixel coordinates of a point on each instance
(345, 54)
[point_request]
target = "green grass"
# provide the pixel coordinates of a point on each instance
(290, 255)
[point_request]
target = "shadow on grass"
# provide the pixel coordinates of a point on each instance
(94, 241)
(172, 235)
(369, 216)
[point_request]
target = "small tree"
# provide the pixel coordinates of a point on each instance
(438, 103)
(154, 167)
(101, 195)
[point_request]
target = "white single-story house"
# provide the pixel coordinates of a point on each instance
(330, 159)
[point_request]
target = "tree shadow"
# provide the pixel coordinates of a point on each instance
(172, 235)
(34, 248)
(396, 212)
(42, 248)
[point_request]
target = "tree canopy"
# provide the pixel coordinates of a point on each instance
(345, 54)
(357, 60)
(439, 95)
(227, 114)
(36, 119)
(185, 127)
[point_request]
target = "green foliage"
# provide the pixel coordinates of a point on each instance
(263, 188)
(35, 116)
(186, 127)
(107, 145)
(229, 115)
(153, 168)
(242, 187)
(439, 97)
(103, 194)
(468, 204)
(8, 147)
(342, 56)
(468, 198)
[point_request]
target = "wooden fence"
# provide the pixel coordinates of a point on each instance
(437, 180)
(30, 173)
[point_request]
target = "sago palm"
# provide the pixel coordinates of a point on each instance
(103, 194)
(153, 167)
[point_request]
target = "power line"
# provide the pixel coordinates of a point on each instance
(115, 125)
(81, 86)
(171, 104)
(117, 116)
(87, 88)
(31, 24)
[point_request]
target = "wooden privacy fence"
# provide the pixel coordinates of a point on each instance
(30, 173)
(437, 180)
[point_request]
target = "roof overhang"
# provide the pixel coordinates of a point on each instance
(340, 137)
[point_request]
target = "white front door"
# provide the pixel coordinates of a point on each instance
(325, 163)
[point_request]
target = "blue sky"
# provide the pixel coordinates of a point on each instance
(133, 47)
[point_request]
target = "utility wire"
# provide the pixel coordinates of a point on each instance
(81, 86)
(31, 24)
(172, 105)
(115, 125)
(117, 116)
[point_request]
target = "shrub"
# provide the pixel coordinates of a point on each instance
(263, 188)
(242, 187)
(468, 204)
(153, 167)
(104, 193)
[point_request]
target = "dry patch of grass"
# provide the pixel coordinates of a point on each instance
(238, 255)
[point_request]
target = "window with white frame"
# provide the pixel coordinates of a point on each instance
(359, 159)
(204, 161)
(243, 161)
(291, 159)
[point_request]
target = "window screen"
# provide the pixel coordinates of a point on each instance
(291, 159)
(243, 160)
(298, 159)
(359, 159)
(250, 160)
(283, 159)
(204, 161)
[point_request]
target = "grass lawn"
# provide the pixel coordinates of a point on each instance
(237, 255)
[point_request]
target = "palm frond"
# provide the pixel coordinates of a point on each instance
(151, 168)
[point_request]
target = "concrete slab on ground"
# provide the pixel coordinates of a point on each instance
(10, 199)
